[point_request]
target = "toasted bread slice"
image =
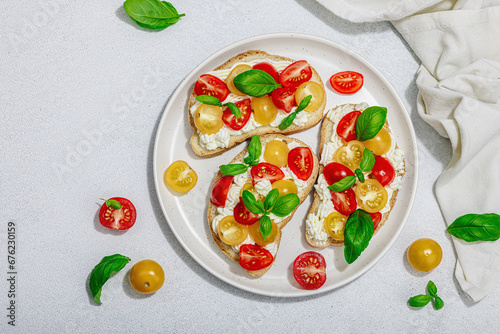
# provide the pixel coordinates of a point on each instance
(328, 129)
(213, 210)
(248, 56)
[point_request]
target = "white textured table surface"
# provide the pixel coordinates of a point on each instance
(66, 67)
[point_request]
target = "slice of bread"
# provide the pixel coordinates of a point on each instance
(327, 131)
(313, 117)
(212, 209)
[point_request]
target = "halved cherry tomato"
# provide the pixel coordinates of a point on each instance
(285, 187)
(238, 123)
(264, 110)
(344, 201)
(347, 126)
(300, 162)
(383, 171)
(243, 215)
(232, 233)
(380, 144)
(334, 225)
(254, 257)
(334, 172)
(372, 197)
(208, 119)
(220, 190)
(295, 74)
(269, 69)
(309, 270)
(265, 171)
(229, 80)
(210, 85)
(118, 219)
(316, 91)
(350, 154)
(284, 98)
(180, 176)
(347, 82)
(276, 153)
(254, 232)
(376, 217)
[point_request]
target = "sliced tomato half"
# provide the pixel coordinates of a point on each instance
(118, 219)
(334, 172)
(301, 162)
(347, 126)
(254, 257)
(309, 270)
(220, 190)
(211, 85)
(376, 217)
(238, 123)
(344, 201)
(269, 69)
(383, 171)
(243, 216)
(284, 98)
(295, 74)
(266, 171)
(347, 82)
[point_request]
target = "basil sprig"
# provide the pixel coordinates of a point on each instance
(287, 121)
(152, 14)
(103, 271)
(255, 83)
(112, 203)
(358, 232)
(422, 300)
(370, 122)
(344, 184)
(476, 227)
(213, 101)
(366, 165)
(254, 152)
(279, 206)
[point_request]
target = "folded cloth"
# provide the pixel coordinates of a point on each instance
(458, 42)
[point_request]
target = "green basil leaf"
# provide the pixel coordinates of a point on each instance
(360, 175)
(287, 121)
(233, 169)
(255, 148)
(285, 205)
(432, 289)
(304, 103)
(476, 227)
(208, 99)
(254, 163)
(367, 161)
(247, 160)
(265, 226)
(103, 271)
(250, 202)
(370, 122)
(260, 205)
(419, 300)
(343, 184)
(271, 198)
(233, 109)
(255, 83)
(438, 303)
(112, 203)
(152, 14)
(357, 233)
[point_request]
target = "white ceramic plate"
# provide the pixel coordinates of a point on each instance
(186, 214)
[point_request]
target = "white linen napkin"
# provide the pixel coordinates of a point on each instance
(458, 42)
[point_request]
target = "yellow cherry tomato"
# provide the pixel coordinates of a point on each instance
(254, 231)
(276, 153)
(231, 232)
(264, 110)
(424, 254)
(315, 90)
(180, 176)
(372, 196)
(229, 80)
(334, 225)
(350, 154)
(208, 119)
(380, 144)
(146, 276)
(285, 187)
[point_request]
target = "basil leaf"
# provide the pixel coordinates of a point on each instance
(343, 184)
(285, 205)
(255, 83)
(432, 289)
(260, 205)
(360, 175)
(255, 148)
(271, 198)
(247, 160)
(233, 169)
(476, 227)
(112, 203)
(265, 226)
(250, 202)
(357, 233)
(208, 99)
(152, 14)
(304, 103)
(287, 121)
(103, 271)
(370, 122)
(419, 300)
(438, 303)
(367, 161)
(254, 163)
(233, 109)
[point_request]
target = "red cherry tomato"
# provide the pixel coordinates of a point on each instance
(210, 85)
(347, 126)
(300, 162)
(266, 171)
(295, 74)
(309, 270)
(284, 98)
(376, 217)
(344, 201)
(254, 257)
(334, 172)
(238, 123)
(269, 69)
(347, 82)
(243, 216)
(383, 171)
(220, 190)
(118, 219)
